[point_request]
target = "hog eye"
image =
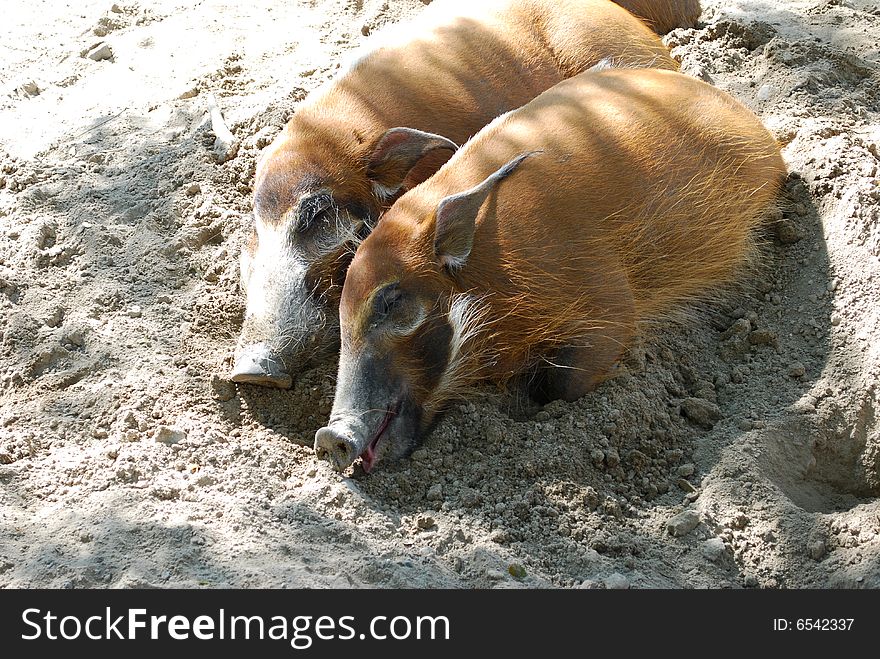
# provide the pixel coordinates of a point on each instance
(312, 210)
(385, 301)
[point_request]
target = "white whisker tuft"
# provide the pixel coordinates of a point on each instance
(470, 354)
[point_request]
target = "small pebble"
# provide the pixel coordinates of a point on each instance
(100, 52)
(435, 493)
(612, 457)
(817, 550)
(740, 327)
(701, 411)
(517, 571)
(495, 434)
(190, 92)
(683, 523)
(134, 311)
(765, 91)
(763, 337)
(638, 460)
(685, 486)
(787, 232)
(796, 370)
(30, 88)
(193, 189)
(167, 435)
(75, 337)
(713, 549)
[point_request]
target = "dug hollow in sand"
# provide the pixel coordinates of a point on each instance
(388, 121)
(610, 200)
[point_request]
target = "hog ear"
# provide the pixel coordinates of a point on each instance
(395, 155)
(457, 217)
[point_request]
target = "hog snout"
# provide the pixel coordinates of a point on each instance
(337, 445)
(258, 365)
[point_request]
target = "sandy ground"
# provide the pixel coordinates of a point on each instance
(740, 450)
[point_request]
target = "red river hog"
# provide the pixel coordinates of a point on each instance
(539, 248)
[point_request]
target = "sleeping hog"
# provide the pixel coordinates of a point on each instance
(611, 200)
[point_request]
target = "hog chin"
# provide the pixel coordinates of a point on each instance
(370, 455)
(396, 436)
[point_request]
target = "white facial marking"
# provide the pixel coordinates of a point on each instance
(469, 352)
(603, 64)
(452, 263)
(466, 318)
(272, 263)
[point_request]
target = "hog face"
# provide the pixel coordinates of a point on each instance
(305, 230)
(396, 345)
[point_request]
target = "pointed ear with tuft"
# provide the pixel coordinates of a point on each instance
(457, 217)
(396, 153)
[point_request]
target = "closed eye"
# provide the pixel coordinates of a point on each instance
(310, 210)
(384, 302)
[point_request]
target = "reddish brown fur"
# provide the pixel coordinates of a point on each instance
(664, 15)
(646, 195)
(526, 46)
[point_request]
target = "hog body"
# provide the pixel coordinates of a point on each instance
(387, 122)
(611, 200)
